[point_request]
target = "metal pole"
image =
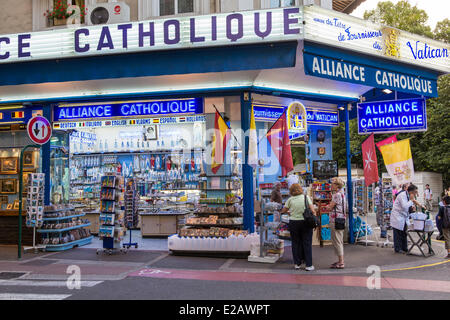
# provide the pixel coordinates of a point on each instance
(349, 174)
(19, 249)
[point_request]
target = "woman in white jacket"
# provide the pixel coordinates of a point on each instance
(403, 206)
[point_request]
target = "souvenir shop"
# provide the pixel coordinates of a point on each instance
(132, 145)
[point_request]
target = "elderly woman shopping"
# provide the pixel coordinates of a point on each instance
(337, 221)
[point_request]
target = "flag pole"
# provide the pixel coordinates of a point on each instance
(227, 126)
(272, 126)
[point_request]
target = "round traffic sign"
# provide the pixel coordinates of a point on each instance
(39, 130)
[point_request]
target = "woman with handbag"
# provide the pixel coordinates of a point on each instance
(337, 221)
(299, 227)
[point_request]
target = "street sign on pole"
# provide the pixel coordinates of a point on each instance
(39, 130)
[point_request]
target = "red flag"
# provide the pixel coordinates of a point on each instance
(389, 140)
(278, 137)
(370, 161)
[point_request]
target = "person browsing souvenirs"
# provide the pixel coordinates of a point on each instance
(403, 206)
(337, 221)
(301, 233)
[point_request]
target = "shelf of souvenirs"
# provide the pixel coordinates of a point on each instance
(168, 150)
(212, 232)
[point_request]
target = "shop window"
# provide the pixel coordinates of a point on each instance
(172, 7)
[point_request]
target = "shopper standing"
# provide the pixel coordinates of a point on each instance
(439, 219)
(337, 221)
(301, 233)
(444, 215)
(275, 196)
(428, 197)
(403, 206)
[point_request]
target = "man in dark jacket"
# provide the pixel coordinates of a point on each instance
(444, 216)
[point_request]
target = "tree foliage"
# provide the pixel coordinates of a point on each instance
(430, 149)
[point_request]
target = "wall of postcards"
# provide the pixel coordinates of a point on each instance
(35, 199)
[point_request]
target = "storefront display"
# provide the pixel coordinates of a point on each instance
(322, 197)
(63, 228)
(112, 216)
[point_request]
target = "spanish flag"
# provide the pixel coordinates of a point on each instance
(219, 143)
(398, 160)
(253, 142)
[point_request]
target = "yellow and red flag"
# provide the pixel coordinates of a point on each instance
(220, 139)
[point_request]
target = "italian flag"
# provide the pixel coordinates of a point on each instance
(398, 160)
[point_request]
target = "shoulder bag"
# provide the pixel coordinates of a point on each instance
(310, 219)
(339, 223)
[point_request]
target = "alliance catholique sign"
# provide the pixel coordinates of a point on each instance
(278, 24)
(314, 115)
(149, 108)
(392, 116)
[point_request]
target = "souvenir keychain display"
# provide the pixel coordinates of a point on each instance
(35, 200)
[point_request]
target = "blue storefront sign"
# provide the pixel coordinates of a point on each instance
(314, 115)
(325, 67)
(392, 116)
(128, 109)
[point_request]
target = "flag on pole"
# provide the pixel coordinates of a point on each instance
(370, 160)
(220, 140)
(253, 142)
(389, 140)
(398, 160)
(278, 137)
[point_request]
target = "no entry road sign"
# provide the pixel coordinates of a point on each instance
(39, 130)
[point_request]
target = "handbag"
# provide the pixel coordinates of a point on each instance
(339, 223)
(310, 219)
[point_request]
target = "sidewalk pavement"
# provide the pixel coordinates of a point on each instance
(45, 265)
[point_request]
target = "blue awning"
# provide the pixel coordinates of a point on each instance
(341, 65)
(155, 63)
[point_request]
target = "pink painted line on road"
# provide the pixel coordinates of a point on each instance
(324, 280)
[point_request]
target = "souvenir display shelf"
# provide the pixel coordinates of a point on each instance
(63, 228)
(112, 215)
(322, 197)
(359, 196)
(266, 191)
(387, 200)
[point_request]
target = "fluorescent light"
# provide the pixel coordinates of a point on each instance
(386, 91)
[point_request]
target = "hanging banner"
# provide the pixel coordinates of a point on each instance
(392, 116)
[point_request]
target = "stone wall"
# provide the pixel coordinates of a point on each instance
(16, 16)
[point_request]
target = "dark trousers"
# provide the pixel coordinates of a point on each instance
(400, 240)
(301, 238)
(439, 225)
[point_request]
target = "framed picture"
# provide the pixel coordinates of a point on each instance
(9, 165)
(3, 200)
(8, 186)
(151, 133)
(16, 205)
(28, 159)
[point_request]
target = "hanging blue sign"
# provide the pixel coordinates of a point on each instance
(407, 115)
(334, 69)
(314, 115)
(128, 109)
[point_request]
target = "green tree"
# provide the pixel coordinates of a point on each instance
(402, 16)
(430, 149)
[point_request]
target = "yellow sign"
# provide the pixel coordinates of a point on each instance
(392, 46)
(296, 117)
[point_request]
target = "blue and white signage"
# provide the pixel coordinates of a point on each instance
(128, 109)
(334, 69)
(315, 115)
(392, 116)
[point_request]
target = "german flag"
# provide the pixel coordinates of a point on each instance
(56, 126)
(220, 139)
